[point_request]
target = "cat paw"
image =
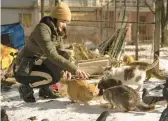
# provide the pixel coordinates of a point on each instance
(106, 105)
(86, 103)
(73, 101)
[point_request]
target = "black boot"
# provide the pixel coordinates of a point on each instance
(48, 92)
(26, 93)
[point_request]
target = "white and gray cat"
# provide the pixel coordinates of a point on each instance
(132, 74)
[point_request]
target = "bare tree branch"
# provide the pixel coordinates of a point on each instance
(146, 3)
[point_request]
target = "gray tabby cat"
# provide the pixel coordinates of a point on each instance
(132, 74)
(124, 98)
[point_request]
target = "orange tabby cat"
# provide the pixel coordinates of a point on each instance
(80, 90)
(128, 59)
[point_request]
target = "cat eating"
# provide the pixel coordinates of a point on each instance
(132, 74)
(80, 90)
(106, 83)
(124, 98)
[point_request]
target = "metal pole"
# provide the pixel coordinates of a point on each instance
(115, 14)
(42, 8)
(107, 19)
(101, 23)
(137, 32)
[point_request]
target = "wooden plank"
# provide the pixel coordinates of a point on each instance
(94, 63)
(94, 66)
(92, 70)
(95, 59)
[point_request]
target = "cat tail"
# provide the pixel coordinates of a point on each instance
(151, 66)
(157, 75)
(145, 108)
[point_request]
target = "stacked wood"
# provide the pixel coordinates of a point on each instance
(79, 52)
(114, 45)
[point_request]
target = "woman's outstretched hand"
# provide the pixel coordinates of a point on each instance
(81, 74)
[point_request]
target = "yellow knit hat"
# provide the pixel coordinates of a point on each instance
(61, 11)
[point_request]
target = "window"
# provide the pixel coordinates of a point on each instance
(26, 19)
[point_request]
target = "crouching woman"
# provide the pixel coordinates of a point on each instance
(43, 46)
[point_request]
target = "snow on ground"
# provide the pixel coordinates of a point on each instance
(62, 110)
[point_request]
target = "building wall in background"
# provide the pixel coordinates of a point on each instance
(18, 3)
(23, 11)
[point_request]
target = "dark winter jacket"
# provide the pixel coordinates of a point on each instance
(43, 42)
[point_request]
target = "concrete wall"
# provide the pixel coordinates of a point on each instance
(18, 3)
(148, 28)
(11, 9)
(10, 16)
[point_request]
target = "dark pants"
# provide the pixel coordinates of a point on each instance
(42, 75)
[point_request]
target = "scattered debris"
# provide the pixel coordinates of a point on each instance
(32, 118)
(44, 120)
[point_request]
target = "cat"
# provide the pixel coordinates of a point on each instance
(103, 116)
(128, 59)
(80, 90)
(125, 98)
(105, 83)
(132, 74)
